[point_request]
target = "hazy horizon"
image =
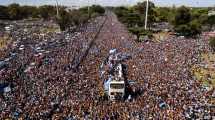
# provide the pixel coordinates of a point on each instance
(79, 3)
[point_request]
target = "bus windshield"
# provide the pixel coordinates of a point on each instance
(117, 86)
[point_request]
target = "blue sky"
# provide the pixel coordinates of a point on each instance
(195, 3)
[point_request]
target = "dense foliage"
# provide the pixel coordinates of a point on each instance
(48, 12)
(211, 21)
(188, 22)
(17, 12)
(212, 43)
(135, 16)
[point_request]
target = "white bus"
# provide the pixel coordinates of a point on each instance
(116, 90)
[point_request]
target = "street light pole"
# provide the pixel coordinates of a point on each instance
(146, 18)
(57, 9)
(88, 8)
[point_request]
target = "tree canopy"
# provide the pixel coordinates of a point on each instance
(211, 20)
(183, 16)
(184, 24)
(212, 43)
(48, 12)
(186, 21)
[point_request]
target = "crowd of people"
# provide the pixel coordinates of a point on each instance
(45, 86)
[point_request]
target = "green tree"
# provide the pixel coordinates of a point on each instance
(121, 11)
(195, 27)
(198, 12)
(162, 14)
(184, 24)
(93, 11)
(133, 19)
(183, 16)
(203, 19)
(83, 10)
(75, 17)
(4, 12)
(212, 43)
(211, 21)
(183, 29)
(47, 11)
(79, 16)
(172, 14)
(17, 12)
(64, 20)
(97, 9)
(14, 12)
(29, 11)
(141, 8)
(83, 18)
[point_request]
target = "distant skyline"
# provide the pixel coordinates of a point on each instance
(193, 3)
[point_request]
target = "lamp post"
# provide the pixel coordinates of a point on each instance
(88, 8)
(146, 17)
(57, 9)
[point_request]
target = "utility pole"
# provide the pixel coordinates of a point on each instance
(57, 9)
(146, 17)
(127, 3)
(88, 8)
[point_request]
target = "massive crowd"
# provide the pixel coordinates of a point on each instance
(45, 86)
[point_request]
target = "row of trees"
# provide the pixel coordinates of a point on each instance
(186, 21)
(189, 22)
(78, 16)
(134, 17)
(65, 19)
(17, 12)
